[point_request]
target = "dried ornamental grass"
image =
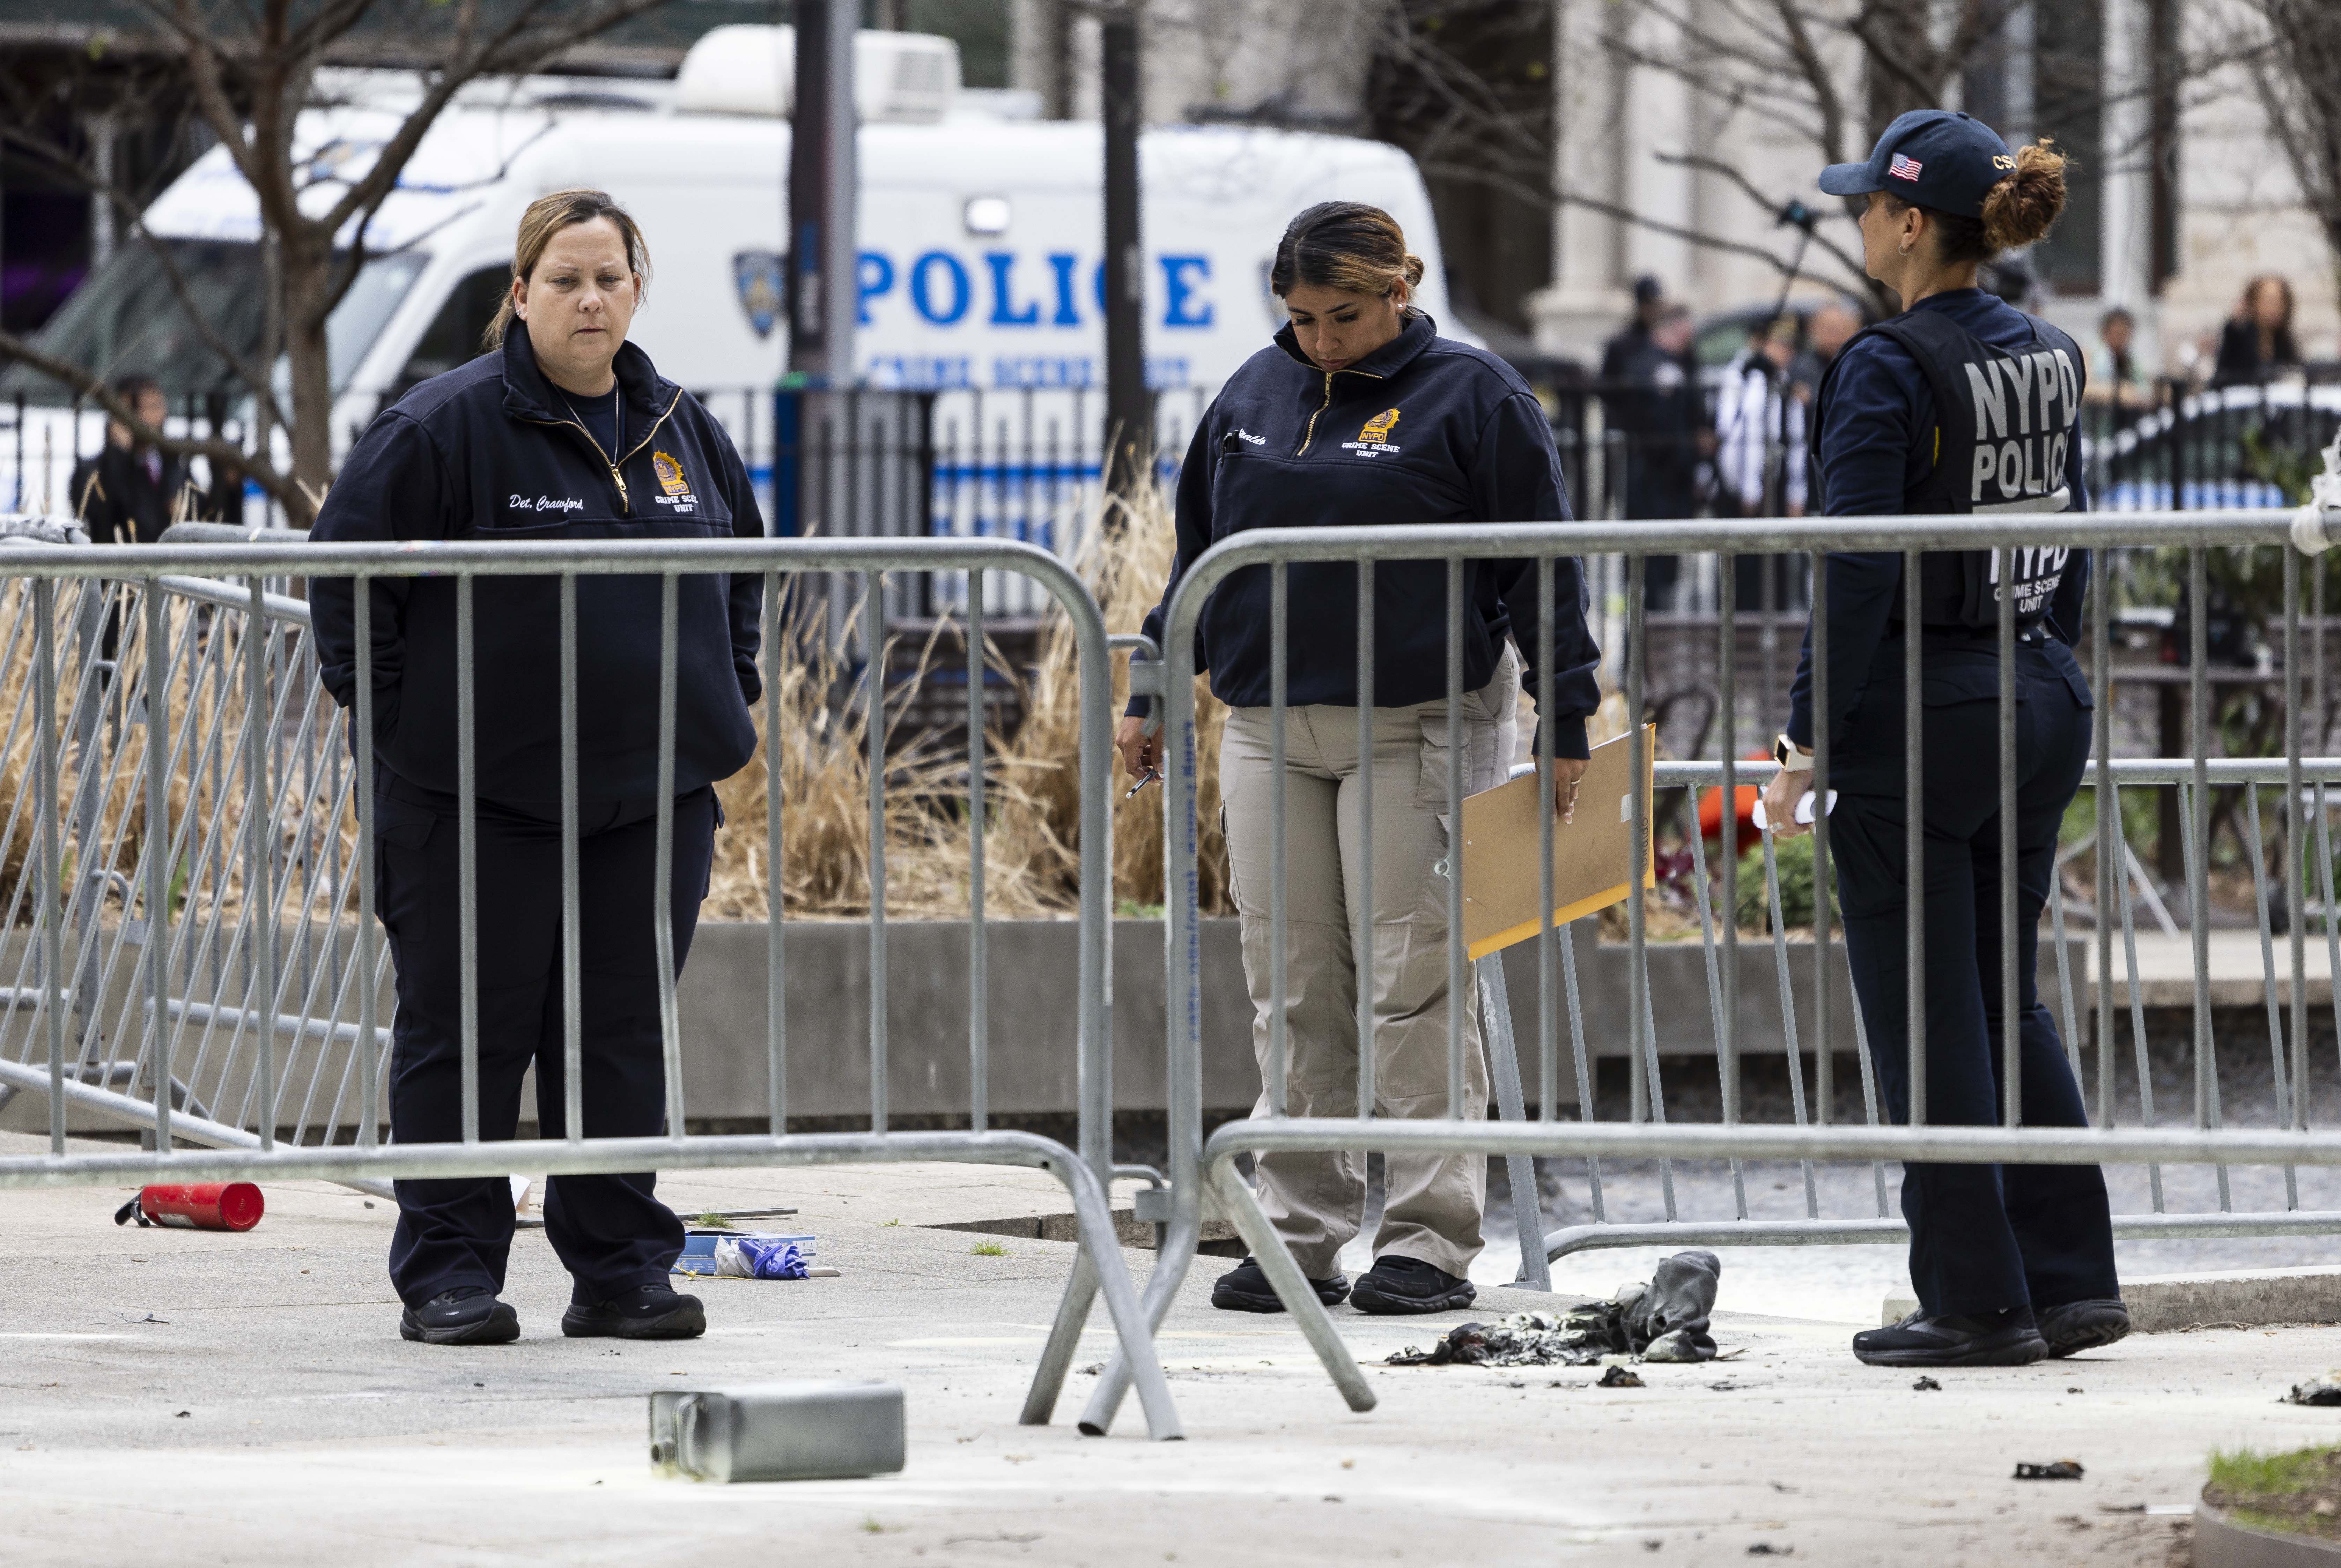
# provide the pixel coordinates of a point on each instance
(1032, 779)
(101, 736)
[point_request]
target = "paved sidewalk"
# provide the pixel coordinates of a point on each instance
(310, 1434)
(2238, 973)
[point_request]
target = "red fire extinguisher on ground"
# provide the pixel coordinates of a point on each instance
(203, 1206)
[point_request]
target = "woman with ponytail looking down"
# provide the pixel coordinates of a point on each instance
(1358, 413)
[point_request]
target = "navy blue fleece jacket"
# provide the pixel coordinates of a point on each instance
(1876, 453)
(490, 451)
(1423, 430)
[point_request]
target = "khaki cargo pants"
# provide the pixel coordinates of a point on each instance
(1317, 1201)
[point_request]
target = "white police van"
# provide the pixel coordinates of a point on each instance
(979, 229)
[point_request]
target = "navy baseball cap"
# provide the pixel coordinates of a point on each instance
(1936, 158)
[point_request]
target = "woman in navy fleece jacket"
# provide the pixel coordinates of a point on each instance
(1359, 412)
(561, 431)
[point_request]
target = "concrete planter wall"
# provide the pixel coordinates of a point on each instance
(1033, 1014)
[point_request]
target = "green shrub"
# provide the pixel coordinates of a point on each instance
(1795, 858)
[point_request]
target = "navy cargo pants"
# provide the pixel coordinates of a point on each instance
(1983, 1237)
(610, 1232)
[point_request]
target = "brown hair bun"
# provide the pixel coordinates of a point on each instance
(2019, 209)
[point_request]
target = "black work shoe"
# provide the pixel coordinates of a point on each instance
(646, 1311)
(2079, 1325)
(1245, 1288)
(2008, 1338)
(1397, 1285)
(467, 1315)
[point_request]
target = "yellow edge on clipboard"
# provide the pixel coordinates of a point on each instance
(1501, 884)
(1561, 917)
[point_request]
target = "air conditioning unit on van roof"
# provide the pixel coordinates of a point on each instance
(908, 79)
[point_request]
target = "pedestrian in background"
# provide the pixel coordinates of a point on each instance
(1832, 325)
(129, 492)
(1359, 412)
(2117, 381)
(2011, 1262)
(1760, 458)
(2257, 346)
(1649, 306)
(1658, 405)
(1759, 430)
(562, 431)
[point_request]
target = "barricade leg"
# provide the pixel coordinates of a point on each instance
(1175, 1257)
(1504, 1070)
(1292, 1286)
(1103, 1254)
(1064, 1338)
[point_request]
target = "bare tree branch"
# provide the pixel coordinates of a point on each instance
(242, 368)
(1816, 73)
(1837, 253)
(93, 389)
(2296, 72)
(1559, 194)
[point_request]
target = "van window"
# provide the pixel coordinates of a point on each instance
(453, 338)
(377, 291)
(128, 319)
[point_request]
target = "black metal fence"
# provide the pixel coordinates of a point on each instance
(1025, 464)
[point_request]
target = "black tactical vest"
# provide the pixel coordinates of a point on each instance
(2007, 439)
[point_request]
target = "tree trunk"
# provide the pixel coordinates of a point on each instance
(1901, 49)
(308, 263)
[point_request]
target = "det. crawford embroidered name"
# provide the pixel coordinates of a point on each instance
(546, 503)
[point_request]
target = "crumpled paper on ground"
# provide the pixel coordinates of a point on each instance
(753, 1258)
(1664, 1320)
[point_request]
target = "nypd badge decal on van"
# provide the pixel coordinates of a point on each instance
(758, 274)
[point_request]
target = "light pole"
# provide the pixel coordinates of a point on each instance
(1128, 412)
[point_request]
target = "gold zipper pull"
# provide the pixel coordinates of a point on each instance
(625, 503)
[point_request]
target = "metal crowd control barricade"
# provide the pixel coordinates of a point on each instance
(1202, 1172)
(212, 977)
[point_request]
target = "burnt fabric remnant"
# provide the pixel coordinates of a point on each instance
(1618, 1377)
(2325, 1390)
(1664, 1320)
(2056, 1470)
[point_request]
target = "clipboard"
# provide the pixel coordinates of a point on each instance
(1593, 864)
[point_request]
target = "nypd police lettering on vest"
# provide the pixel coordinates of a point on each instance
(2004, 438)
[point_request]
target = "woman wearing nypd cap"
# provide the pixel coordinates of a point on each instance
(1961, 404)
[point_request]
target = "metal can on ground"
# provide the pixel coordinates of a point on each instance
(203, 1206)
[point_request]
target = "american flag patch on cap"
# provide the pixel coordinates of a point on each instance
(1903, 168)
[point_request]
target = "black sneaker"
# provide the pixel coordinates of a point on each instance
(2078, 1325)
(1245, 1288)
(1397, 1285)
(2008, 1338)
(467, 1315)
(646, 1311)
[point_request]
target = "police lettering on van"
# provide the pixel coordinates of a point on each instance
(945, 301)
